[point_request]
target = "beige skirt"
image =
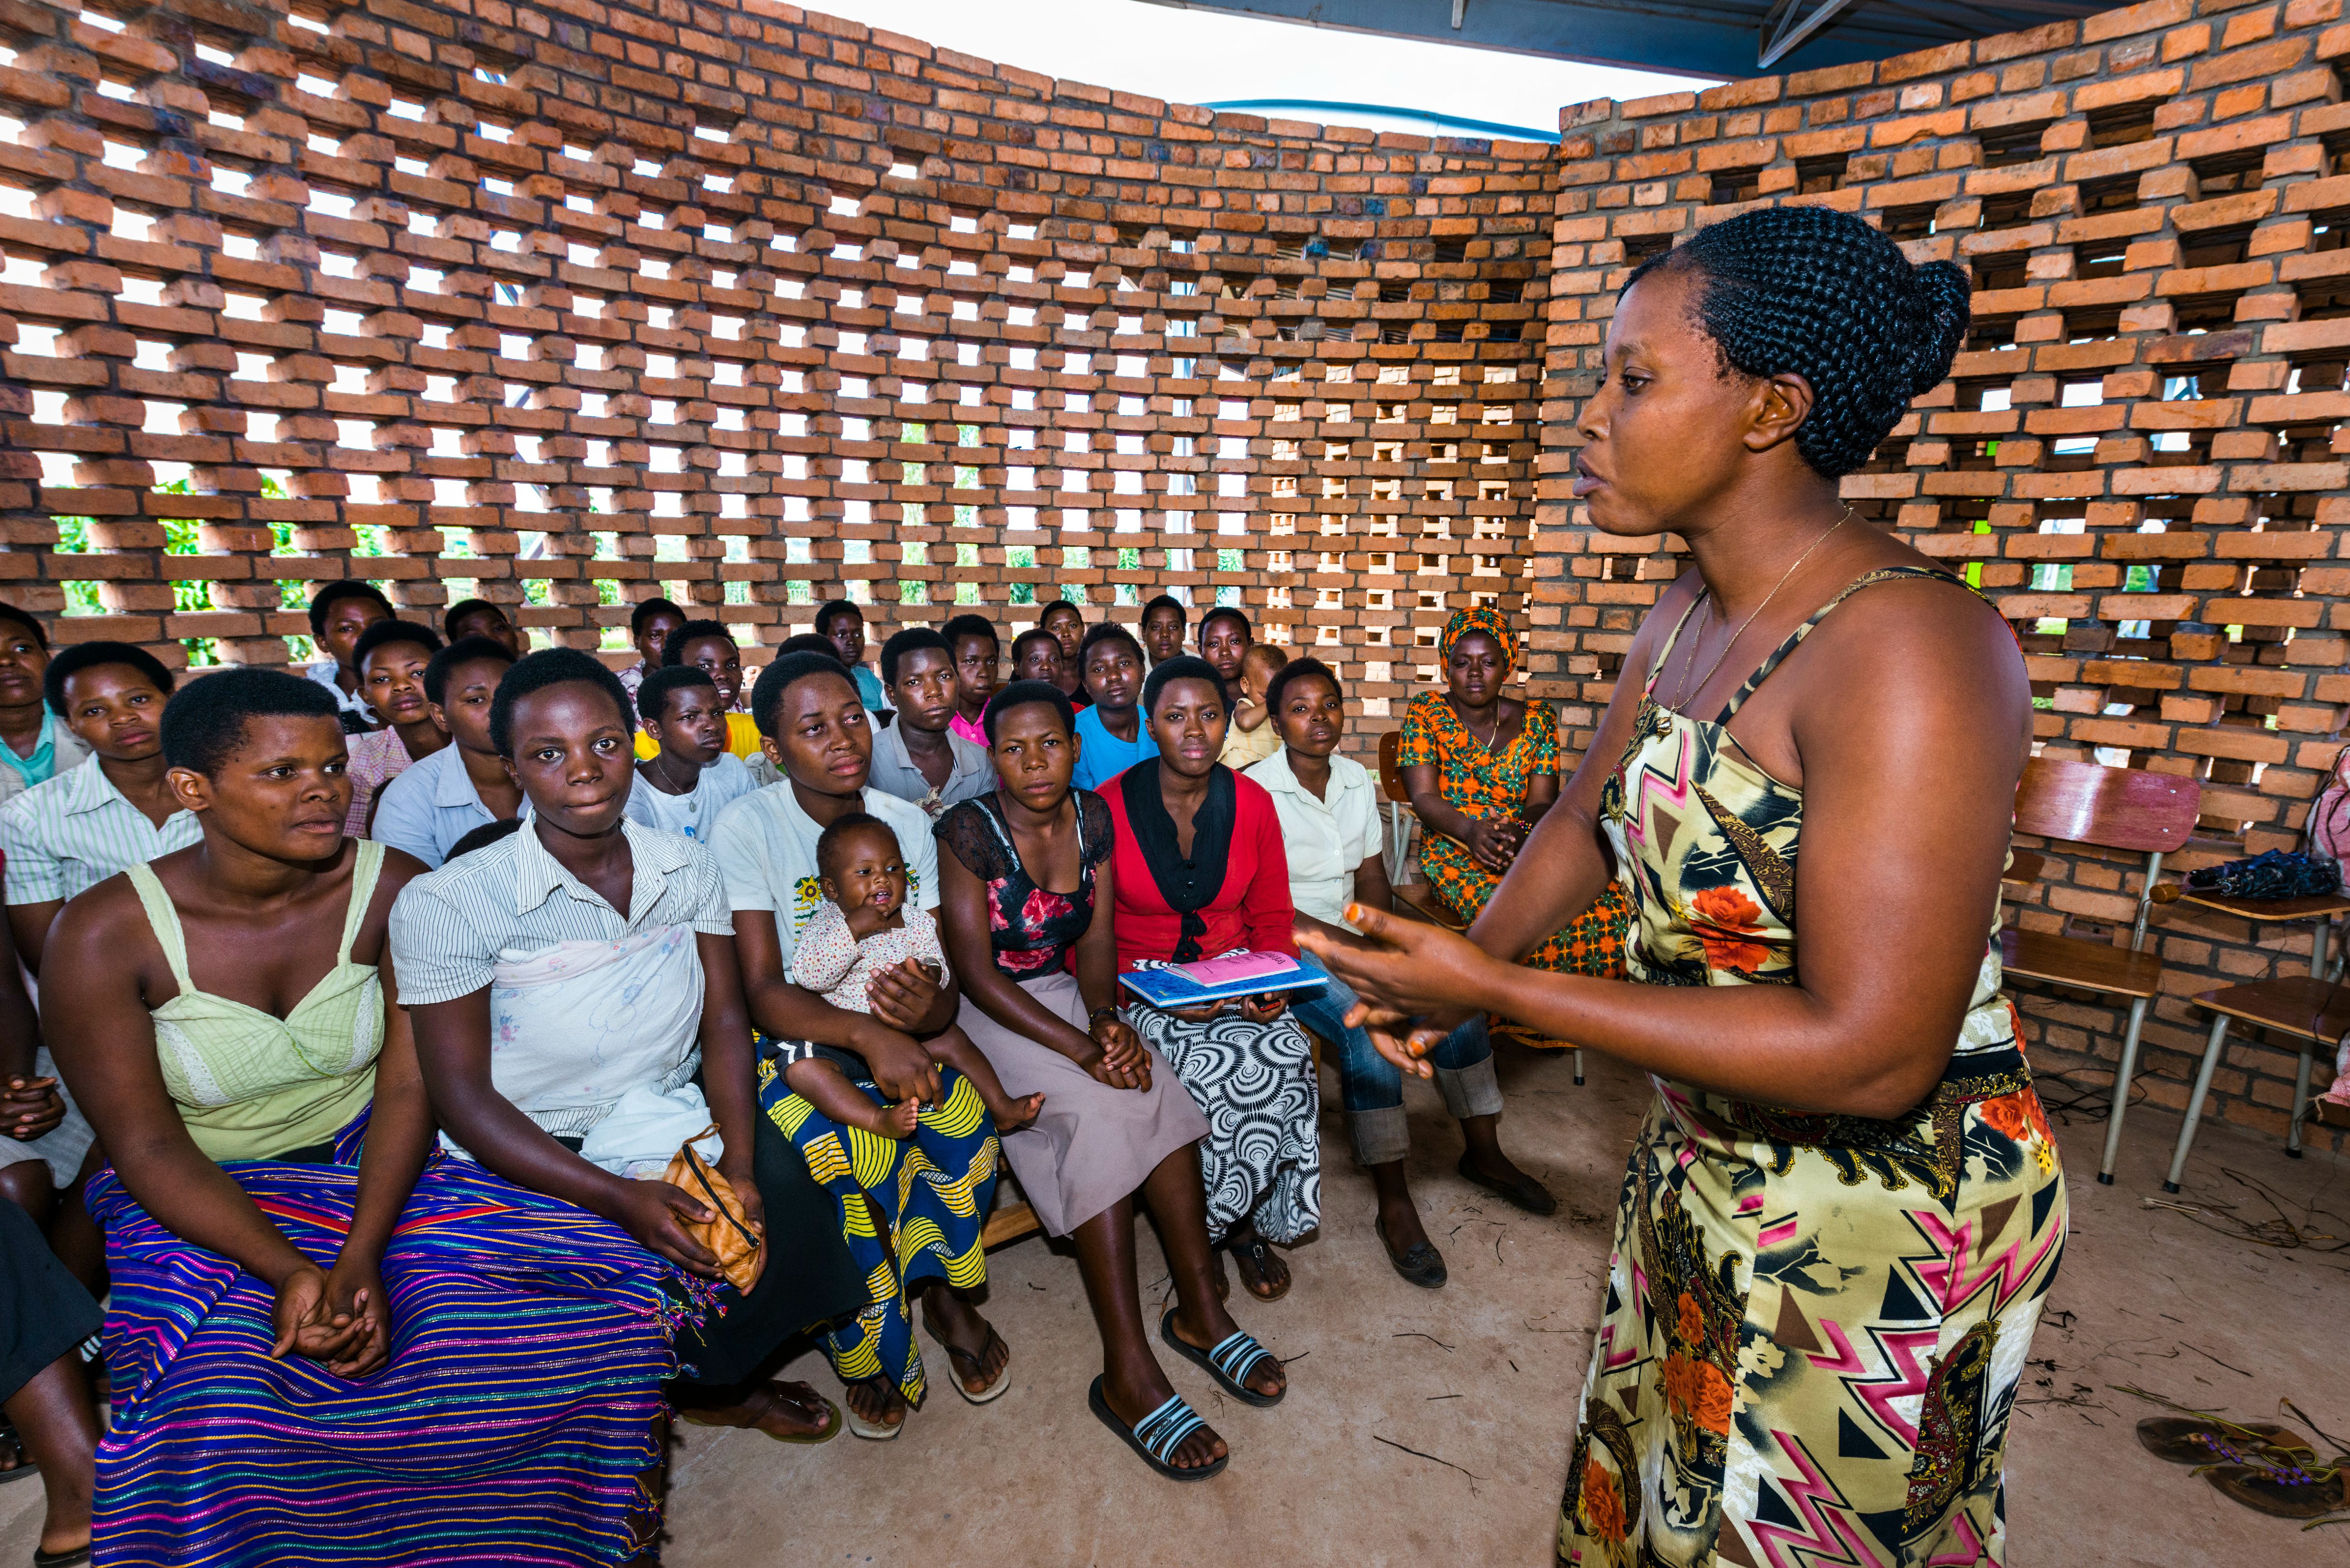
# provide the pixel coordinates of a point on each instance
(1091, 1145)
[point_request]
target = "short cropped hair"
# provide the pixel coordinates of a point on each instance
(1045, 613)
(84, 656)
(1182, 667)
(1226, 612)
(1306, 668)
(25, 618)
(673, 650)
(1166, 601)
(464, 651)
(647, 610)
(830, 845)
(809, 642)
(329, 594)
(384, 631)
(1107, 631)
(1034, 634)
(535, 672)
(464, 609)
(652, 695)
(964, 625)
(481, 837)
(912, 640)
(203, 725)
(1028, 694)
(785, 671)
(832, 611)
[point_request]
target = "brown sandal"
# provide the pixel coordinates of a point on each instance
(753, 1411)
(2209, 1440)
(2282, 1492)
(958, 1357)
(1252, 1256)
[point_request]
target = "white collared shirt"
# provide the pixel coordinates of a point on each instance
(450, 929)
(1327, 838)
(67, 836)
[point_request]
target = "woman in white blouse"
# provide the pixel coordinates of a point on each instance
(1329, 814)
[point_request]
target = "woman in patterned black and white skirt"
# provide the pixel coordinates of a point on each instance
(1199, 871)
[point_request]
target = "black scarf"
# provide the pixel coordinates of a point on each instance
(1188, 885)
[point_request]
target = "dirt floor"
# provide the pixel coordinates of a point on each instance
(1433, 1426)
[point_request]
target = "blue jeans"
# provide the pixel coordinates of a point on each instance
(1371, 1086)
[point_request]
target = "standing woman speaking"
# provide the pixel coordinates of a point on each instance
(1843, 1211)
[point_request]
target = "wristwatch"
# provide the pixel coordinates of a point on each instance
(1094, 1018)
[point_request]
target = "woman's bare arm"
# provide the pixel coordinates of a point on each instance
(728, 1065)
(963, 927)
(1910, 773)
(105, 1046)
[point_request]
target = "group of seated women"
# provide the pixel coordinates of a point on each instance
(428, 1031)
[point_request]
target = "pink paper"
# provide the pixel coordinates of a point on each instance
(1237, 966)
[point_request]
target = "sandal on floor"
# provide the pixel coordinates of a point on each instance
(1524, 1193)
(759, 1406)
(2209, 1440)
(957, 1356)
(1421, 1263)
(2283, 1493)
(60, 1558)
(1158, 1435)
(24, 1468)
(1257, 1251)
(871, 1431)
(1229, 1363)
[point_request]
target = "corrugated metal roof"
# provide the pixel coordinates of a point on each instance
(1701, 38)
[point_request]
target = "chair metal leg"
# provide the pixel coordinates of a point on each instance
(2299, 1101)
(1398, 842)
(2211, 1050)
(2123, 1074)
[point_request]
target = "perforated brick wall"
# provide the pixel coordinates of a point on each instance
(2139, 456)
(564, 305)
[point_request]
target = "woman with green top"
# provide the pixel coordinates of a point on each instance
(326, 1342)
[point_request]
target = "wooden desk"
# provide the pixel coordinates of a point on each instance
(2322, 908)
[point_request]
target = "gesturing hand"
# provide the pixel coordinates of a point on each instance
(654, 1213)
(1403, 970)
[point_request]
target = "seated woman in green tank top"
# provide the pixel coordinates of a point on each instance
(277, 1222)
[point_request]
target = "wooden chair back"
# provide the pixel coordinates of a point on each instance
(1390, 771)
(2113, 809)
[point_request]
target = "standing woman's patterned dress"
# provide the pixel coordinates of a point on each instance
(1484, 784)
(1814, 1322)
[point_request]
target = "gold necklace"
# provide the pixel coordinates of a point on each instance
(1688, 691)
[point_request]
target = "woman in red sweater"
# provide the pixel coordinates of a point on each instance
(1199, 872)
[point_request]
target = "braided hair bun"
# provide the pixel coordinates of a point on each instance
(1818, 294)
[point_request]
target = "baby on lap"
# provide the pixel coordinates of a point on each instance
(863, 927)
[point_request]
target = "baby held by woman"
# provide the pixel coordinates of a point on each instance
(863, 927)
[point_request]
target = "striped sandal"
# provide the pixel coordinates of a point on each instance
(1158, 1435)
(1229, 1363)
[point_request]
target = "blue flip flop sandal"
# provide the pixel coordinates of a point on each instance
(1158, 1435)
(1228, 1363)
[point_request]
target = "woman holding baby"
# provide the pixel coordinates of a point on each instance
(1031, 884)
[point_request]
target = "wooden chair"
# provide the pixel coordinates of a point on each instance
(2112, 808)
(2310, 1010)
(1419, 897)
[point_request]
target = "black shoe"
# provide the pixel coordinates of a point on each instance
(1421, 1263)
(1525, 1192)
